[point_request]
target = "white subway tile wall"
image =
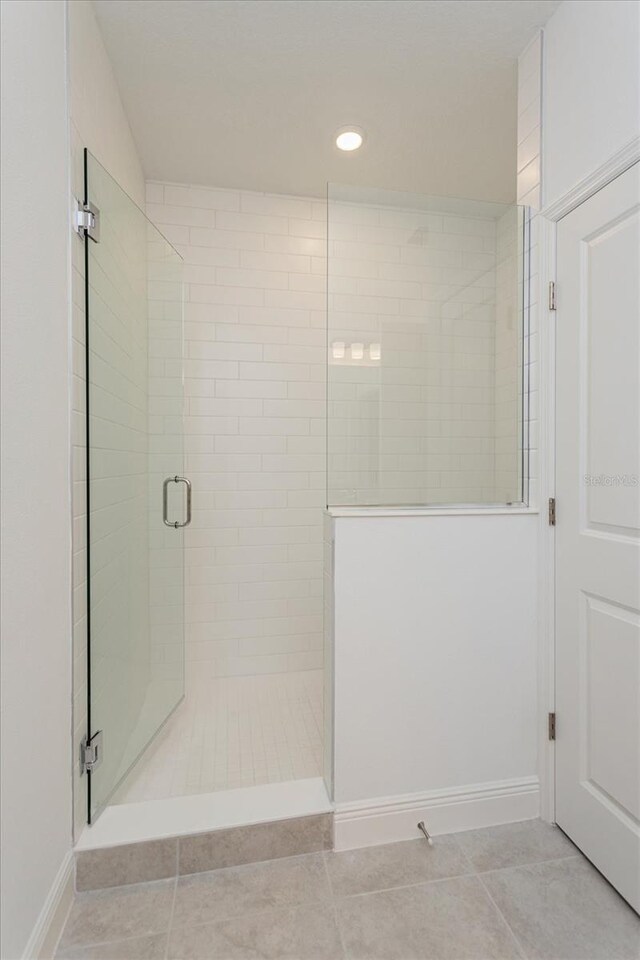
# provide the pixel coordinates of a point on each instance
(529, 176)
(508, 372)
(254, 424)
(424, 323)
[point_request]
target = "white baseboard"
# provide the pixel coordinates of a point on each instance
(46, 933)
(388, 819)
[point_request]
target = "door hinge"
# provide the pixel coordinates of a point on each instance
(552, 511)
(91, 753)
(87, 221)
(552, 726)
(552, 295)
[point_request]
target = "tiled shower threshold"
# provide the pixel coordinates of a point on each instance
(126, 823)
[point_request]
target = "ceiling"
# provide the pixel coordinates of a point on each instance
(250, 93)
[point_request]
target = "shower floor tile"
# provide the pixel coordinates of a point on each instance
(234, 732)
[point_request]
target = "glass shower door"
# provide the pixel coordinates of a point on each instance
(138, 500)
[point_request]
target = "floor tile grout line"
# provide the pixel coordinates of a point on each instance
(172, 911)
(79, 894)
(106, 943)
(336, 916)
(252, 863)
(56, 946)
(513, 866)
(325, 857)
(523, 954)
(327, 874)
(531, 863)
(463, 853)
(402, 886)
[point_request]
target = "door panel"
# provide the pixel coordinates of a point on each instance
(134, 441)
(597, 535)
(610, 697)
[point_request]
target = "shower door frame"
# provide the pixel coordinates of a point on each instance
(87, 225)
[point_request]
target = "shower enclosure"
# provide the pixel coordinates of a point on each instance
(427, 351)
(138, 500)
(426, 408)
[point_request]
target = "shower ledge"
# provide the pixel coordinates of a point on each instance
(126, 823)
(448, 511)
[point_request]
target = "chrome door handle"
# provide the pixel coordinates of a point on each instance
(187, 484)
(165, 502)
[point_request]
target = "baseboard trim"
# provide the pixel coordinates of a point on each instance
(49, 925)
(386, 820)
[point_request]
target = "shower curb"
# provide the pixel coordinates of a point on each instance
(169, 857)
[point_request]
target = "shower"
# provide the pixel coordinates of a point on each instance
(255, 367)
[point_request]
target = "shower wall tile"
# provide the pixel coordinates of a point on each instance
(508, 347)
(254, 427)
(416, 423)
(529, 193)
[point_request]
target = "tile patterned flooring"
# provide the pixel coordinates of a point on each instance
(234, 732)
(515, 891)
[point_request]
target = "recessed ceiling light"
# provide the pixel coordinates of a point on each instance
(349, 138)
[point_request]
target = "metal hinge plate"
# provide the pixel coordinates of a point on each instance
(91, 753)
(87, 221)
(552, 295)
(552, 511)
(552, 726)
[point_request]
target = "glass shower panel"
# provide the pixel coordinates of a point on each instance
(426, 350)
(135, 489)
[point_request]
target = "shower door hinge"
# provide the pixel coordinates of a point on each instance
(91, 753)
(552, 295)
(87, 220)
(552, 511)
(552, 726)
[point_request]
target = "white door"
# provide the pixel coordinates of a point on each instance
(598, 531)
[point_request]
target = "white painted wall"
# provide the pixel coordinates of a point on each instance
(97, 121)
(435, 642)
(36, 508)
(95, 106)
(529, 123)
(591, 89)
